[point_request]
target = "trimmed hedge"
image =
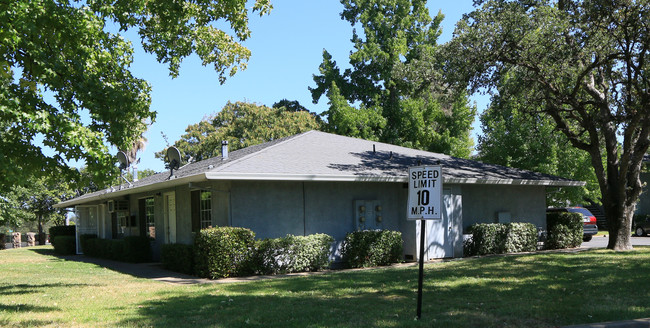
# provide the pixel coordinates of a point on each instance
(499, 238)
(372, 248)
(61, 231)
(292, 254)
(132, 249)
(565, 230)
(178, 258)
(65, 245)
(223, 252)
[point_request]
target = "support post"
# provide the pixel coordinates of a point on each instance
(421, 269)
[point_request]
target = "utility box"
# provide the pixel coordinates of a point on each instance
(368, 215)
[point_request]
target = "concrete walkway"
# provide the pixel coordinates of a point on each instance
(638, 323)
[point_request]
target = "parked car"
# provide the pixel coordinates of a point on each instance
(642, 226)
(590, 228)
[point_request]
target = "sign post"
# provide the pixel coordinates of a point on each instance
(425, 198)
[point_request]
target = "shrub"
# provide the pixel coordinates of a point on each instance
(223, 252)
(61, 231)
(3, 239)
(130, 249)
(178, 258)
(137, 249)
(292, 254)
(371, 248)
(83, 240)
(65, 245)
(499, 238)
(565, 230)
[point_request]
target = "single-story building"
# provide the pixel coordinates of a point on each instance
(315, 182)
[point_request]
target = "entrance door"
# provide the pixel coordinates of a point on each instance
(438, 239)
(170, 217)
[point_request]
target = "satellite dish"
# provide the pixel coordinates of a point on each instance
(174, 158)
(124, 161)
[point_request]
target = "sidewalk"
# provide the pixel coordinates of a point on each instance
(638, 323)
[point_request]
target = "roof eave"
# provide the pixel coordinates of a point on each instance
(106, 194)
(384, 178)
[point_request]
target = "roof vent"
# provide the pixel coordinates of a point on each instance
(224, 149)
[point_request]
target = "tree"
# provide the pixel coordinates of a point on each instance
(295, 106)
(582, 64)
(395, 33)
(34, 203)
(515, 138)
(65, 80)
(242, 125)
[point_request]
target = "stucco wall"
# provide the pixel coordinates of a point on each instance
(276, 208)
(482, 203)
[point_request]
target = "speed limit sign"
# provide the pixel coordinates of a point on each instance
(425, 197)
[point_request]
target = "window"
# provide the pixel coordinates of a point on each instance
(150, 223)
(205, 209)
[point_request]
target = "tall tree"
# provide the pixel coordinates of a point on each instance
(242, 125)
(34, 202)
(395, 32)
(65, 80)
(513, 137)
(584, 64)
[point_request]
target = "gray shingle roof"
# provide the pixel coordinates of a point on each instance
(320, 156)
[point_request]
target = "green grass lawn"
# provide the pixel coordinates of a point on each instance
(540, 290)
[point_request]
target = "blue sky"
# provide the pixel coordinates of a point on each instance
(286, 47)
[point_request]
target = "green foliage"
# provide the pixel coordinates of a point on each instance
(59, 64)
(223, 252)
(564, 230)
(242, 125)
(583, 64)
(292, 254)
(32, 202)
(365, 123)
(65, 245)
(132, 249)
(178, 258)
(395, 106)
(61, 231)
(372, 248)
(499, 238)
(516, 138)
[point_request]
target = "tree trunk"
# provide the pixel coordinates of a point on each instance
(619, 225)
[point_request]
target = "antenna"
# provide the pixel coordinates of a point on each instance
(174, 158)
(124, 163)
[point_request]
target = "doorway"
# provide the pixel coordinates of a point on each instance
(170, 217)
(441, 234)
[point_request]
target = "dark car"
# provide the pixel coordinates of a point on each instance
(588, 220)
(642, 226)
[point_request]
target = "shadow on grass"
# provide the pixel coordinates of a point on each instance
(522, 290)
(26, 308)
(44, 251)
(25, 289)
(138, 270)
(30, 323)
